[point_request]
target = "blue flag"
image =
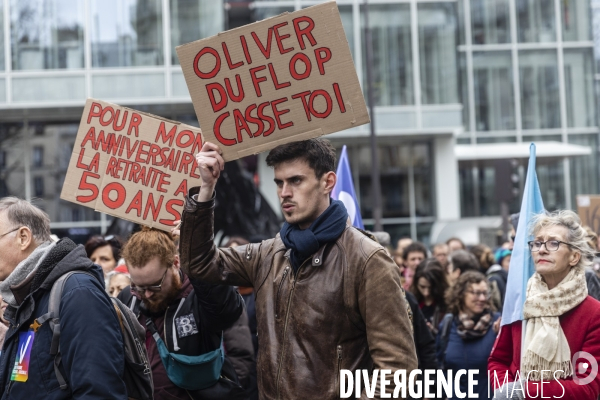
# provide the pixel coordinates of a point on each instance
(521, 264)
(344, 190)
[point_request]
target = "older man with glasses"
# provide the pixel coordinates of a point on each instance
(89, 360)
(183, 318)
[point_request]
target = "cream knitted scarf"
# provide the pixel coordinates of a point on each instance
(546, 347)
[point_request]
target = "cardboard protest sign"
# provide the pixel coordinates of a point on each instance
(588, 208)
(284, 79)
(132, 165)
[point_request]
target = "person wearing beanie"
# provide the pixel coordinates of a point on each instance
(503, 258)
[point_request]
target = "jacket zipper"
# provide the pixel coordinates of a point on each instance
(287, 269)
(287, 317)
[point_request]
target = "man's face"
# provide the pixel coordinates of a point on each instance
(453, 273)
(413, 259)
(117, 283)
(440, 252)
(303, 197)
(11, 246)
(454, 245)
(154, 274)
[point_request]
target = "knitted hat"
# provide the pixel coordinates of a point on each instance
(501, 255)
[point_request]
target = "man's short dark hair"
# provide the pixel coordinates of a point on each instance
(318, 153)
(464, 261)
(414, 247)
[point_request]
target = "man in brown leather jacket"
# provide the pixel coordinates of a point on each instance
(327, 297)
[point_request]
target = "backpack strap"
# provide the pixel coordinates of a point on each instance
(53, 318)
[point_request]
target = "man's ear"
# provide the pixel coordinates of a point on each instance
(25, 238)
(329, 180)
(176, 262)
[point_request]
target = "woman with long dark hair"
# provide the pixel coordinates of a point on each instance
(429, 286)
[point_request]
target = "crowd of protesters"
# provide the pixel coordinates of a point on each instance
(280, 319)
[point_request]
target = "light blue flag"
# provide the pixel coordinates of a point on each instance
(521, 264)
(344, 190)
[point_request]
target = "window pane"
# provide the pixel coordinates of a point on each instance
(126, 33)
(536, 22)
(38, 186)
(494, 95)
(461, 22)
(575, 20)
(396, 164)
(12, 168)
(584, 169)
(392, 57)
(540, 104)
(579, 87)
(260, 13)
(423, 178)
(38, 156)
(596, 32)
(490, 21)
(193, 20)
(47, 34)
(348, 24)
(464, 93)
(2, 67)
(56, 140)
(552, 184)
(478, 190)
(437, 50)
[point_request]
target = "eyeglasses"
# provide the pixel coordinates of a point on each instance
(551, 245)
(478, 294)
(151, 288)
(4, 234)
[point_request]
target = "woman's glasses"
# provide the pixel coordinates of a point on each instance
(551, 245)
(478, 294)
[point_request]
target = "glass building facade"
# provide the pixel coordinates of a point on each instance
(445, 72)
(529, 70)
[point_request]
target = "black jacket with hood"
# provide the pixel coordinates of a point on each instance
(91, 342)
(191, 325)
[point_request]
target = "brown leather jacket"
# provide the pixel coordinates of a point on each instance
(344, 309)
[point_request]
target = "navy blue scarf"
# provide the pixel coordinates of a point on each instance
(326, 228)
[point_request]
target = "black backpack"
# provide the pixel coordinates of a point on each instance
(138, 375)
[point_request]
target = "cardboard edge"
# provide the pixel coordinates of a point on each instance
(137, 111)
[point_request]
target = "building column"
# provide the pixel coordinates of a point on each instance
(447, 186)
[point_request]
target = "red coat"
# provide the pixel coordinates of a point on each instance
(581, 326)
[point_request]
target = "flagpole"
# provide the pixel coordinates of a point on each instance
(523, 332)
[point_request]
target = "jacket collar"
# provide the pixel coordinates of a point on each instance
(318, 258)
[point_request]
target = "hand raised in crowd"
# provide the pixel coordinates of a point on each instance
(210, 163)
(176, 230)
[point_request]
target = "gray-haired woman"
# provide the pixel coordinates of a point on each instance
(562, 340)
